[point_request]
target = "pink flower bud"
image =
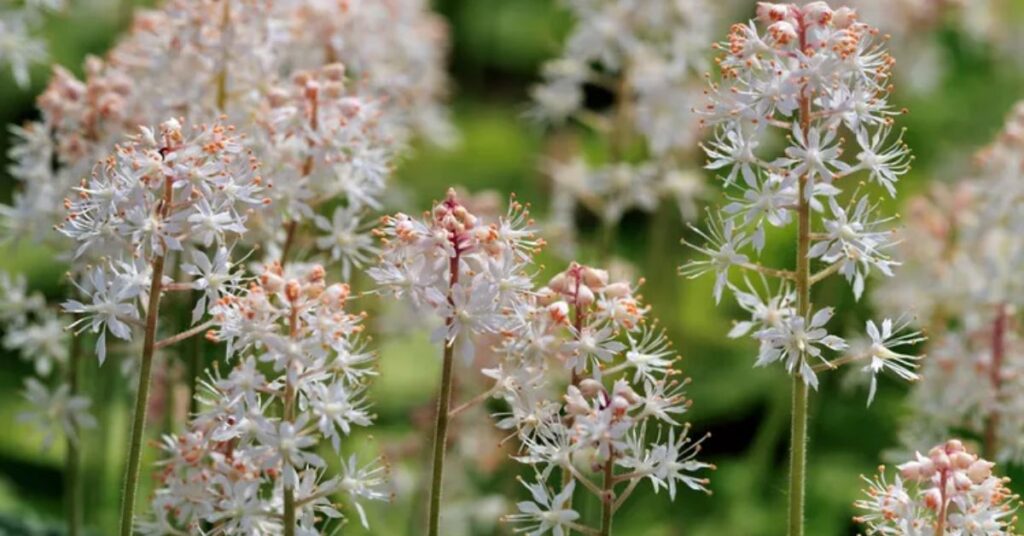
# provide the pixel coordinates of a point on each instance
(559, 311)
(961, 460)
(844, 17)
(546, 296)
(817, 13)
(910, 470)
(559, 283)
(585, 296)
(618, 290)
(292, 290)
(591, 387)
(980, 470)
(594, 277)
(769, 12)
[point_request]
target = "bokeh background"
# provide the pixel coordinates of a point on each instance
(498, 46)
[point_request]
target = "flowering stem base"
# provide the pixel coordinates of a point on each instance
(131, 479)
(440, 441)
(798, 457)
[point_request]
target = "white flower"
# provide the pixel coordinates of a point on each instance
(546, 512)
(795, 341)
(56, 411)
(111, 308)
(724, 244)
(347, 239)
(882, 356)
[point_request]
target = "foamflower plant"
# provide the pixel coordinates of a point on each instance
(594, 401)
(466, 274)
(819, 80)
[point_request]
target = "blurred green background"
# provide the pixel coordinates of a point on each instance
(498, 47)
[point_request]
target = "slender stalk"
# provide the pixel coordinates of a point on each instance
(798, 430)
(289, 239)
(222, 76)
(608, 497)
(995, 377)
(72, 466)
(442, 417)
(578, 325)
(131, 479)
(940, 525)
(289, 415)
(191, 332)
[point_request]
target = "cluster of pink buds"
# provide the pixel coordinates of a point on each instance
(468, 273)
(948, 492)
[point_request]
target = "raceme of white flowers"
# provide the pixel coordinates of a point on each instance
(949, 491)
(254, 441)
(962, 258)
(464, 271)
(186, 190)
(648, 54)
(616, 425)
(818, 80)
(248, 60)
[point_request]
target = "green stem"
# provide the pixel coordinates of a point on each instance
(607, 500)
(442, 417)
(131, 479)
(798, 432)
(440, 440)
(73, 462)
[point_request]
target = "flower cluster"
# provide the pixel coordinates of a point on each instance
(324, 142)
(33, 330)
(300, 375)
(618, 415)
(949, 491)
(466, 272)
(821, 78)
(962, 258)
(170, 190)
(19, 48)
(647, 55)
(203, 59)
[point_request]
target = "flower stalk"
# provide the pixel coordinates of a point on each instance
(798, 430)
(443, 416)
(131, 479)
(991, 446)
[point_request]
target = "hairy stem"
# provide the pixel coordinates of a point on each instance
(798, 429)
(608, 497)
(131, 479)
(442, 417)
(991, 446)
(72, 466)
